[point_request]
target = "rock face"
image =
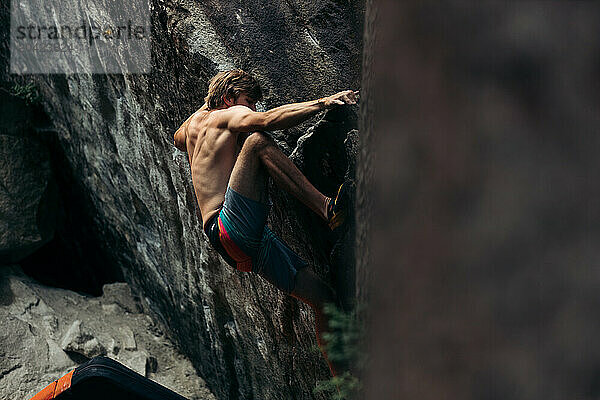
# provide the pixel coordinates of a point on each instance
(28, 197)
(46, 332)
(134, 195)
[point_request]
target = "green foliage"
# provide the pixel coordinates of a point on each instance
(343, 348)
(347, 384)
(27, 92)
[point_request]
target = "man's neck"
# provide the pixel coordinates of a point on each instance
(223, 107)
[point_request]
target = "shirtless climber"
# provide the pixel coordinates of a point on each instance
(231, 159)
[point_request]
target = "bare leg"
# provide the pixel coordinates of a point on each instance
(259, 154)
(258, 158)
(313, 291)
(249, 176)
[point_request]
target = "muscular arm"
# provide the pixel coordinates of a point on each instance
(179, 138)
(242, 119)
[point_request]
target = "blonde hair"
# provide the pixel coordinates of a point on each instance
(232, 84)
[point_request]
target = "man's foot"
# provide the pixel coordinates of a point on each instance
(337, 209)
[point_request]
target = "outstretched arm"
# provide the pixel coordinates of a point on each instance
(242, 119)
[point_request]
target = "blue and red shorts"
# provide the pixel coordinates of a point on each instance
(240, 235)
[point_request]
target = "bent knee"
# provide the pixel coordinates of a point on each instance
(257, 141)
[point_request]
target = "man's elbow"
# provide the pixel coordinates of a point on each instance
(178, 143)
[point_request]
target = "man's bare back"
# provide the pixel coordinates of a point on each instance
(212, 152)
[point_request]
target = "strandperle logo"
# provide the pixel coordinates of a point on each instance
(82, 32)
(80, 36)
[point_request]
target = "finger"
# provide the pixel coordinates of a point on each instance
(338, 102)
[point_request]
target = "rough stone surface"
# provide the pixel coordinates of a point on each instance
(79, 340)
(136, 201)
(119, 293)
(46, 332)
(28, 198)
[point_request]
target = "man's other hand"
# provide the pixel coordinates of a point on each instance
(341, 98)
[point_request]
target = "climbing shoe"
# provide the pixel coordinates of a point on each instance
(337, 209)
